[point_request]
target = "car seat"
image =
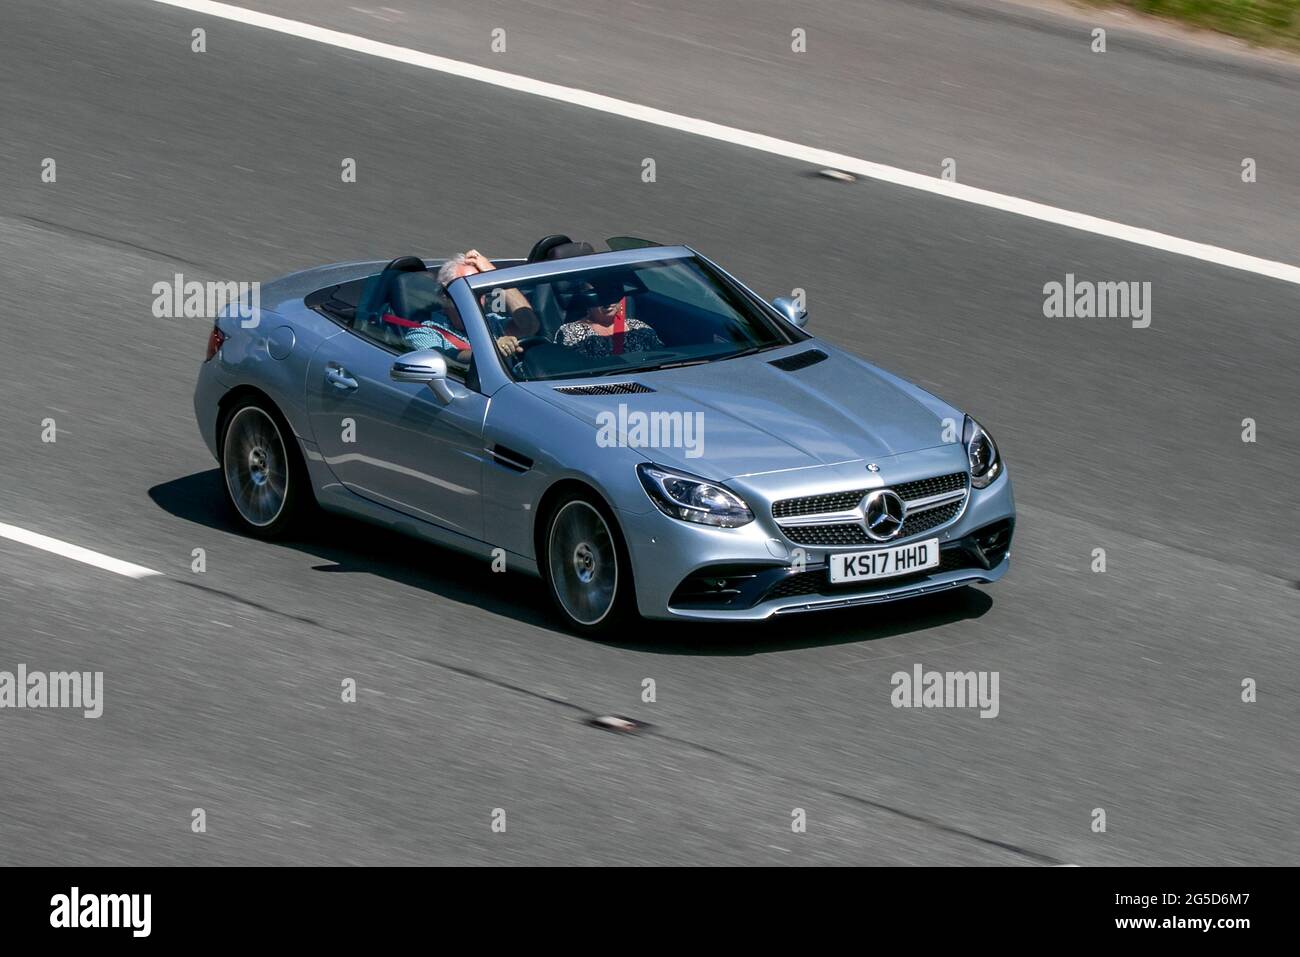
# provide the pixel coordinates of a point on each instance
(380, 304)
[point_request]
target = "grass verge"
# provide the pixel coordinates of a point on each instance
(1262, 22)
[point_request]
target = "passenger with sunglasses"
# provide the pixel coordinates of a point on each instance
(606, 329)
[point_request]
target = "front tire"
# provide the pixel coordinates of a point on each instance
(263, 475)
(585, 565)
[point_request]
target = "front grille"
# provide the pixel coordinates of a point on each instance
(851, 532)
(829, 535)
(931, 486)
(841, 501)
(930, 518)
(815, 504)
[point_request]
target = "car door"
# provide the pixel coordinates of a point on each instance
(396, 443)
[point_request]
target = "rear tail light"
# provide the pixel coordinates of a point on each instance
(215, 340)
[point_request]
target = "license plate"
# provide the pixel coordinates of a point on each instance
(884, 562)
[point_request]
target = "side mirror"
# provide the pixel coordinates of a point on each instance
(424, 365)
(787, 308)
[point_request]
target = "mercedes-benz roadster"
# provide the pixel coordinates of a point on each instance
(635, 426)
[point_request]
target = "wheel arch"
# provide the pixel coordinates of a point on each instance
(240, 392)
(246, 391)
(553, 493)
(629, 601)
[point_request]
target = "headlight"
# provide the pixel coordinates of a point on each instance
(982, 452)
(692, 499)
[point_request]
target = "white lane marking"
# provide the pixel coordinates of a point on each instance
(757, 141)
(75, 552)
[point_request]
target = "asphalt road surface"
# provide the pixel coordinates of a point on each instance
(1119, 690)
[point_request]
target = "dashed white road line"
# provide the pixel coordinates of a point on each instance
(75, 552)
(819, 158)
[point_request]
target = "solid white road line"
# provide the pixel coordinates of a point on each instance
(75, 552)
(767, 144)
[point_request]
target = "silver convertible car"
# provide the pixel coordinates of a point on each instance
(637, 427)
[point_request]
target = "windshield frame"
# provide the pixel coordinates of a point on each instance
(466, 291)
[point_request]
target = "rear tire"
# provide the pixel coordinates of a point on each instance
(585, 566)
(263, 475)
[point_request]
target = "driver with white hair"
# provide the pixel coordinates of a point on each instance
(446, 332)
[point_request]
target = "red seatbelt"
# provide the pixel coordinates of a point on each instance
(620, 327)
(456, 341)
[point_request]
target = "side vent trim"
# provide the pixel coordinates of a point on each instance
(509, 458)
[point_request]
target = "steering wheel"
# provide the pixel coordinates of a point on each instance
(529, 341)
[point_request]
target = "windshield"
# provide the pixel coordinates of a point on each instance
(615, 320)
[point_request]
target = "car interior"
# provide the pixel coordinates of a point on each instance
(386, 306)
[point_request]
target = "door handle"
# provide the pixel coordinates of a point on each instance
(338, 377)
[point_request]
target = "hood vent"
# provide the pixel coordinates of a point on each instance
(609, 388)
(800, 360)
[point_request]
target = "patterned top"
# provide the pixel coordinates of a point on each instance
(438, 334)
(581, 336)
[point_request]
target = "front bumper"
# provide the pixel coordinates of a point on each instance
(752, 573)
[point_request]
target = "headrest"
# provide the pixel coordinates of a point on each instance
(544, 245)
(558, 246)
(568, 250)
(406, 264)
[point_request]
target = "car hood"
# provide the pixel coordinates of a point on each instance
(745, 416)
